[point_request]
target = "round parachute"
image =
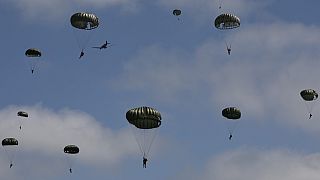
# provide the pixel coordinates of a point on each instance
(22, 114)
(309, 94)
(145, 121)
(32, 52)
(71, 152)
(232, 113)
(227, 21)
(33, 55)
(71, 149)
(9, 142)
(85, 21)
(10, 145)
(144, 117)
(176, 12)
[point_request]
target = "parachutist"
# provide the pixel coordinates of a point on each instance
(70, 170)
(230, 136)
(81, 54)
(144, 162)
(20, 127)
(309, 95)
(229, 50)
(32, 71)
(11, 165)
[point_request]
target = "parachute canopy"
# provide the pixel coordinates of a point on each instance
(85, 21)
(227, 21)
(309, 94)
(144, 117)
(22, 114)
(176, 12)
(9, 142)
(32, 52)
(232, 113)
(71, 149)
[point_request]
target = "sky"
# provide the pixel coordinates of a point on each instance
(179, 67)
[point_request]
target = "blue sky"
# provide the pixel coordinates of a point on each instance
(181, 68)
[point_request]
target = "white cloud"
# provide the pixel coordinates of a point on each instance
(244, 164)
(45, 133)
(56, 9)
(270, 64)
(201, 9)
(206, 8)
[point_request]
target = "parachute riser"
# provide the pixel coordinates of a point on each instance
(145, 139)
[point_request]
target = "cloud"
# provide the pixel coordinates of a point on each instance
(270, 64)
(45, 133)
(246, 163)
(51, 10)
(207, 8)
(201, 10)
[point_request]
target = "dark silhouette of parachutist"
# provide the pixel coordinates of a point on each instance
(81, 54)
(11, 165)
(230, 136)
(70, 170)
(32, 70)
(310, 116)
(229, 49)
(20, 127)
(144, 162)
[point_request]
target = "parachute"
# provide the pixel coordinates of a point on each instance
(33, 55)
(177, 12)
(71, 151)
(84, 22)
(233, 115)
(145, 121)
(22, 114)
(309, 96)
(10, 146)
(227, 22)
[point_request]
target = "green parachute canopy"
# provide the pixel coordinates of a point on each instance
(176, 12)
(146, 121)
(9, 142)
(85, 21)
(71, 149)
(33, 58)
(10, 146)
(22, 114)
(227, 21)
(144, 117)
(309, 95)
(232, 116)
(32, 52)
(232, 113)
